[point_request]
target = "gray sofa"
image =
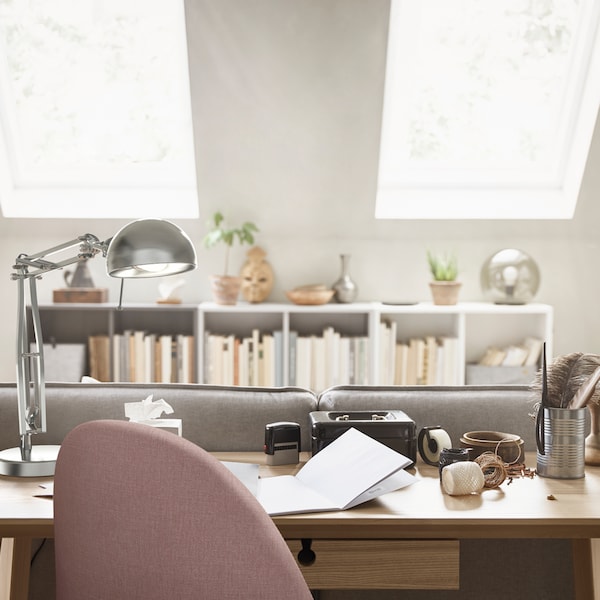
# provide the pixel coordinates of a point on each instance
(220, 419)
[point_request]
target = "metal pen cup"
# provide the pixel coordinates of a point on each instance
(561, 443)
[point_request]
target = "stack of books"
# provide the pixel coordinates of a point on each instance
(314, 361)
(429, 360)
(527, 353)
(142, 357)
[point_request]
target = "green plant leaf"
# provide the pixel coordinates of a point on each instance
(444, 267)
(218, 232)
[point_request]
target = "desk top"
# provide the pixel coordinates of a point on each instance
(422, 510)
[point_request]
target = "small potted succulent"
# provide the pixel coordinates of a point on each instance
(444, 270)
(226, 287)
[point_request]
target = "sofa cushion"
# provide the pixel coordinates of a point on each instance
(506, 408)
(218, 418)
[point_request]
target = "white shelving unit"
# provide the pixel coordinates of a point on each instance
(476, 326)
(74, 323)
(353, 320)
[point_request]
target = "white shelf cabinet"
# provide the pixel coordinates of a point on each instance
(476, 326)
(74, 323)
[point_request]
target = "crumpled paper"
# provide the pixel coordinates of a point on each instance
(147, 409)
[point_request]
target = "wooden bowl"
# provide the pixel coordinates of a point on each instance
(508, 446)
(310, 295)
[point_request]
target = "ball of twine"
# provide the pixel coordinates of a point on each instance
(462, 478)
(494, 470)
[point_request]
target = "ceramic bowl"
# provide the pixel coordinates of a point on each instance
(507, 445)
(310, 296)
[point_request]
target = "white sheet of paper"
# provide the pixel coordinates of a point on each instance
(349, 466)
(352, 469)
(394, 482)
(247, 473)
(285, 494)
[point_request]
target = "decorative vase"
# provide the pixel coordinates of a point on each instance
(592, 441)
(445, 292)
(345, 289)
(225, 288)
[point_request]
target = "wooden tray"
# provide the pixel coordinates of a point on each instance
(92, 295)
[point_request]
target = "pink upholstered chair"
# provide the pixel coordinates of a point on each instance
(143, 514)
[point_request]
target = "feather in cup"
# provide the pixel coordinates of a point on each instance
(571, 381)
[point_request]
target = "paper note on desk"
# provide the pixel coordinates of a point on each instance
(247, 473)
(46, 490)
(352, 469)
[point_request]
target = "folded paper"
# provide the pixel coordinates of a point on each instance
(352, 469)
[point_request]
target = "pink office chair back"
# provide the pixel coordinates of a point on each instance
(143, 514)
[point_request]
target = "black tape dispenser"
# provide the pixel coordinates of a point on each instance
(431, 441)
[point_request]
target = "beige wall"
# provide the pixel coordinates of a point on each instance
(287, 104)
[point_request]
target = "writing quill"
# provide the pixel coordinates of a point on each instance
(539, 424)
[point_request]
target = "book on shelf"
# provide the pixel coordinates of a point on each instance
(387, 352)
(255, 364)
(303, 362)
(292, 357)
(278, 352)
(249, 361)
(515, 356)
(526, 353)
(401, 364)
(99, 357)
(317, 365)
(429, 360)
(534, 348)
(430, 372)
(452, 366)
(164, 352)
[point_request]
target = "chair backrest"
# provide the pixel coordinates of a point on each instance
(141, 513)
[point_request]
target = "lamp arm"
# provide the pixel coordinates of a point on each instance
(89, 246)
(30, 372)
(30, 361)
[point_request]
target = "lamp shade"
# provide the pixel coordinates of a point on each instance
(510, 277)
(150, 248)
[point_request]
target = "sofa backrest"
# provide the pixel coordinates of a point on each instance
(502, 408)
(221, 418)
(217, 418)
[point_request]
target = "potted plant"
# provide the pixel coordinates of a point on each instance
(444, 270)
(226, 287)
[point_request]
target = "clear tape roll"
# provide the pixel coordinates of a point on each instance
(430, 452)
(461, 478)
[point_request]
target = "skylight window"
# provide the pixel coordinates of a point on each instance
(489, 108)
(95, 117)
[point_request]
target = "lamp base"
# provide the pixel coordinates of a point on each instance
(41, 464)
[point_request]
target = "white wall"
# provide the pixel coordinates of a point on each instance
(287, 105)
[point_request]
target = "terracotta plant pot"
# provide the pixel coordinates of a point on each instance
(225, 288)
(445, 292)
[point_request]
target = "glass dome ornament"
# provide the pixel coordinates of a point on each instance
(510, 277)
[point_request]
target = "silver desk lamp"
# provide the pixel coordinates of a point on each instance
(143, 248)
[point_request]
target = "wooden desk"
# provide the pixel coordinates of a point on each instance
(416, 526)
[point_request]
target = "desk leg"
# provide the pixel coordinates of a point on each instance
(595, 547)
(15, 556)
(583, 571)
